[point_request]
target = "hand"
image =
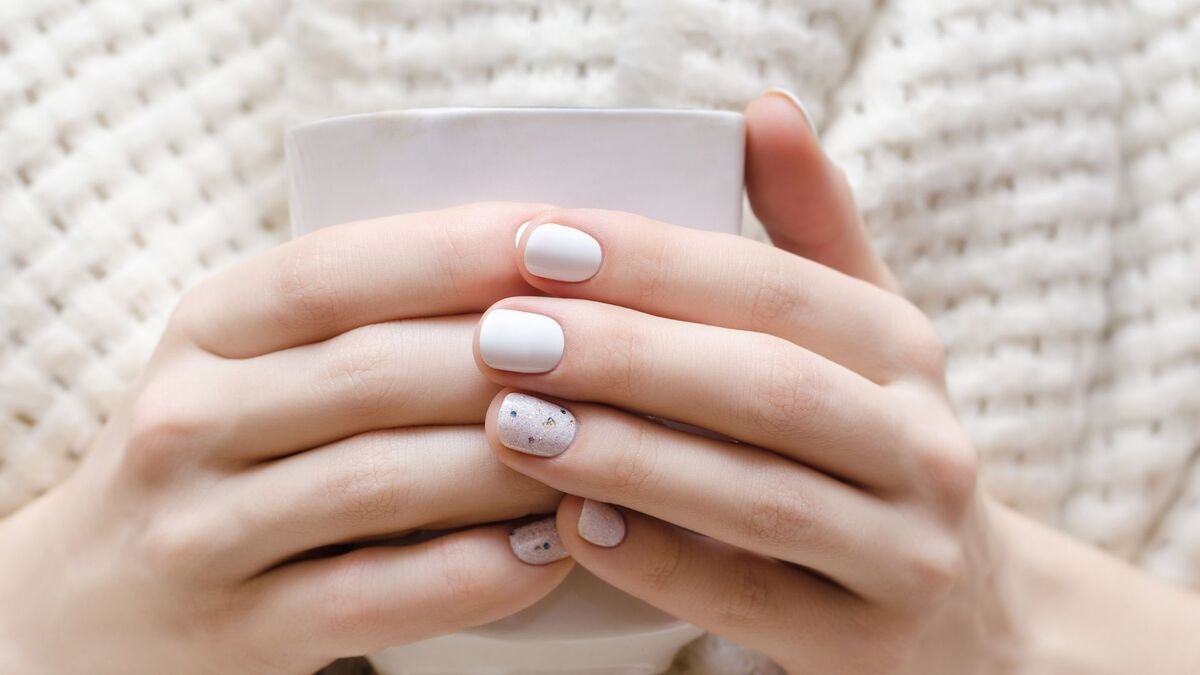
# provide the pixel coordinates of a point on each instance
(834, 524)
(284, 413)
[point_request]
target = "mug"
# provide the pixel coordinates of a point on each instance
(679, 166)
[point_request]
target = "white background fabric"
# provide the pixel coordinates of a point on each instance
(1030, 169)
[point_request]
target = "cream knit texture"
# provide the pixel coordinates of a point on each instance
(1030, 169)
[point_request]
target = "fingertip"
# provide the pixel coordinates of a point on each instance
(489, 422)
(569, 507)
(777, 123)
(783, 107)
(786, 174)
(589, 527)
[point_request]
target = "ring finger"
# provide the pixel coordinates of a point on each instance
(736, 493)
(749, 386)
(379, 483)
(373, 377)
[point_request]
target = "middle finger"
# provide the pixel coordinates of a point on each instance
(395, 374)
(380, 483)
(750, 386)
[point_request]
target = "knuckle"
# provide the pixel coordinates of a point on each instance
(166, 426)
(348, 607)
(189, 317)
(774, 295)
(622, 361)
(218, 615)
(948, 465)
(362, 368)
(746, 598)
(181, 547)
(778, 516)
(661, 566)
(634, 463)
(456, 254)
(918, 344)
(935, 569)
(367, 480)
(463, 581)
(304, 285)
(647, 262)
(784, 393)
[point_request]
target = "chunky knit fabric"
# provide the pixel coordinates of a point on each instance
(1030, 169)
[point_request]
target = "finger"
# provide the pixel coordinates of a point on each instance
(724, 280)
(754, 601)
(394, 374)
(749, 386)
(338, 278)
(738, 494)
(800, 196)
(378, 597)
(388, 482)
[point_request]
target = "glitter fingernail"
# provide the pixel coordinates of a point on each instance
(537, 543)
(534, 426)
(601, 524)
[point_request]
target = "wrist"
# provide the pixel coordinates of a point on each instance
(26, 546)
(1077, 609)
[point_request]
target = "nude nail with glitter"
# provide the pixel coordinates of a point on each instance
(534, 426)
(537, 543)
(601, 524)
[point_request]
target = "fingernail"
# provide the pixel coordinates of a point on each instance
(601, 524)
(520, 231)
(561, 253)
(521, 342)
(796, 102)
(537, 543)
(534, 426)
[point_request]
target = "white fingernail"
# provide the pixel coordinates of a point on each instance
(796, 102)
(521, 231)
(521, 342)
(561, 253)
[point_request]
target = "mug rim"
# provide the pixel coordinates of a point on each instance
(524, 111)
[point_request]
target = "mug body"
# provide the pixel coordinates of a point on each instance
(679, 166)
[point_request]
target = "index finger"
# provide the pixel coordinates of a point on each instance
(432, 263)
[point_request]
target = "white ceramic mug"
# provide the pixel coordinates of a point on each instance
(679, 166)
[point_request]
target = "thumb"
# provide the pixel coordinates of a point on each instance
(800, 196)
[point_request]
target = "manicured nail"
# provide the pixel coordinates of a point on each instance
(534, 426)
(521, 342)
(561, 253)
(537, 543)
(521, 231)
(601, 524)
(796, 102)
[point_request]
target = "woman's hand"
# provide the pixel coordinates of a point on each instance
(832, 531)
(285, 410)
(833, 521)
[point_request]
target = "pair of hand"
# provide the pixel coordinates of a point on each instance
(325, 393)
(344, 387)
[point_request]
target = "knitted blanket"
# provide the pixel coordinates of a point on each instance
(1030, 169)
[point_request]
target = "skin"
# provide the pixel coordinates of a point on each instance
(840, 528)
(326, 394)
(285, 415)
